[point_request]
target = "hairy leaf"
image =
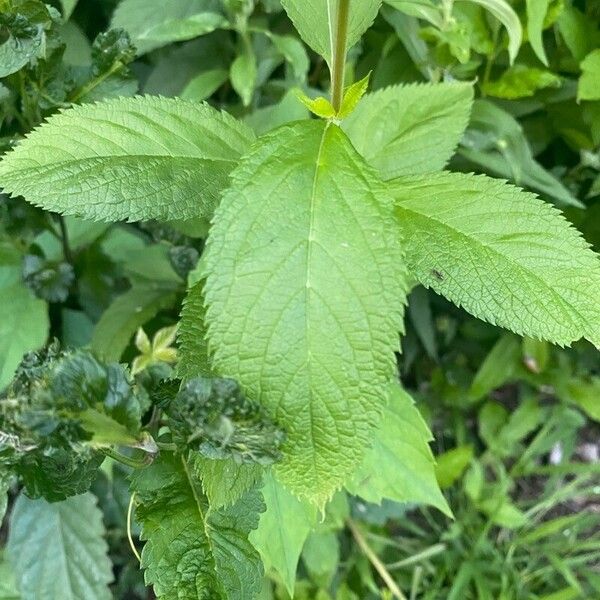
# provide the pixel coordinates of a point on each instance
(193, 550)
(155, 23)
(129, 158)
(225, 481)
(400, 465)
(58, 550)
(410, 129)
(315, 19)
(282, 530)
(305, 286)
(500, 253)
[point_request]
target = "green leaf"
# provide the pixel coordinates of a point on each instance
(205, 84)
(58, 550)
(536, 13)
(194, 358)
(452, 464)
(68, 6)
(321, 107)
(422, 9)
(520, 81)
(495, 141)
(589, 82)
(8, 586)
(294, 52)
(129, 158)
(313, 19)
(412, 129)
(499, 366)
(193, 550)
(243, 76)
(500, 253)
(155, 23)
(303, 249)
(508, 17)
(122, 318)
(24, 327)
(225, 481)
(352, 96)
(585, 394)
(287, 110)
(400, 465)
(282, 530)
(23, 36)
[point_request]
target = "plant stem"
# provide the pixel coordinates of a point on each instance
(374, 559)
(126, 460)
(129, 536)
(339, 47)
(64, 238)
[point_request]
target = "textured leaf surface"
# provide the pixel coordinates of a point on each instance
(282, 530)
(155, 23)
(502, 254)
(410, 129)
(58, 550)
(130, 158)
(305, 288)
(225, 481)
(194, 359)
(400, 465)
(193, 551)
(313, 18)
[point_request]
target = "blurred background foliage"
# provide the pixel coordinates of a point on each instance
(515, 420)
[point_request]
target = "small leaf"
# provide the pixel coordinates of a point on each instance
(452, 464)
(193, 550)
(352, 96)
(319, 106)
(508, 17)
(400, 465)
(536, 12)
(589, 82)
(75, 564)
(500, 253)
(499, 366)
(282, 530)
(129, 158)
(520, 81)
(142, 342)
(243, 76)
(411, 129)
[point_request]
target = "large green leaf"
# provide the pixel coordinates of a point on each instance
(282, 530)
(305, 291)
(58, 550)
(155, 23)
(589, 82)
(400, 465)
(193, 550)
(502, 254)
(314, 20)
(411, 129)
(129, 158)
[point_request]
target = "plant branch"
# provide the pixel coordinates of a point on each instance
(339, 46)
(126, 460)
(374, 560)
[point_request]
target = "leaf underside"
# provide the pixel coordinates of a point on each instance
(128, 159)
(305, 289)
(503, 254)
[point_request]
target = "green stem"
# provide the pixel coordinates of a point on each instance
(94, 83)
(339, 47)
(126, 460)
